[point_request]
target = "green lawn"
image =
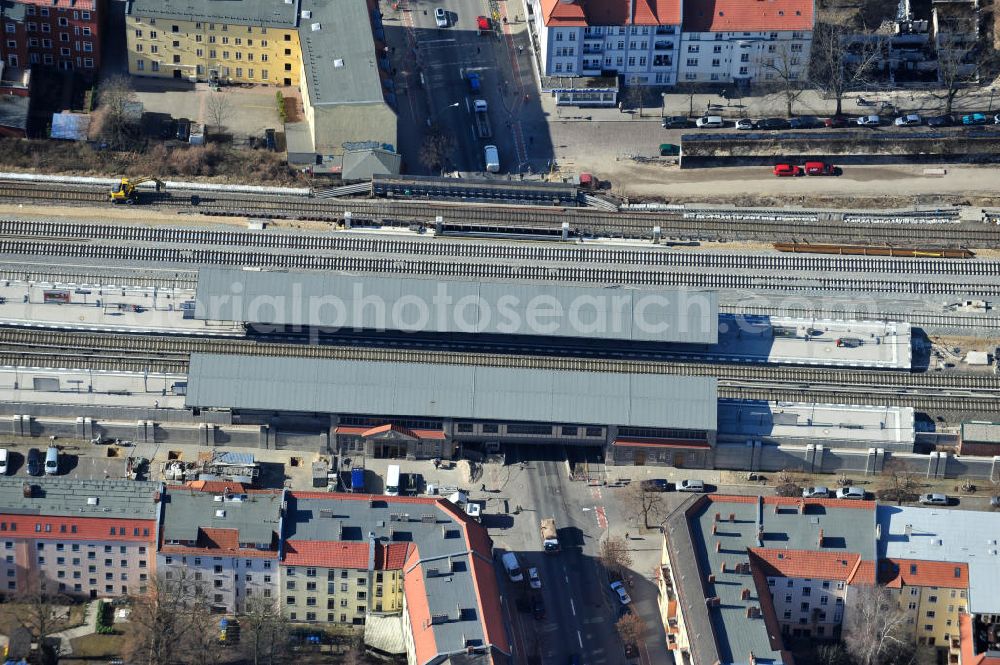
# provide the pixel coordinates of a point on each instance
(98, 646)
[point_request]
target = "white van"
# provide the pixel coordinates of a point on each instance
(710, 121)
(392, 481)
(3, 461)
(512, 567)
(492, 157)
(52, 461)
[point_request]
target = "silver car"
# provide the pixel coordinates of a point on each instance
(869, 121)
(934, 499)
(852, 493)
(691, 485)
(816, 493)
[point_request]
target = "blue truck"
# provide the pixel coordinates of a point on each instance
(357, 480)
(473, 79)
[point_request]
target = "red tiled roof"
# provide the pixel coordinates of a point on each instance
(394, 556)
(747, 15)
(610, 12)
(967, 644)
(767, 607)
(897, 573)
(844, 566)
(424, 644)
(345, 429)
(217, 541)
(87, 528)
(662, 443)
(215, 486)
(412, 433)
(339, 554)
(85, 5)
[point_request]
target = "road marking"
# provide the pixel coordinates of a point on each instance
(579, 638)
(602, 519)
(596, 491)
(572, 607)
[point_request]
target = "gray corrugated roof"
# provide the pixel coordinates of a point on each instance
(451, 391)
(256, 518)
(981, 432)
(269, 13)
(344, 34)
(65, 497)
(448, 306)
(939, 534)
(436, 540)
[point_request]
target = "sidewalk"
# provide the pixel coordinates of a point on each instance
(89, 625)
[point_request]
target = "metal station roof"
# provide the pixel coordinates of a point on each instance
(451, 391)
(341, 301)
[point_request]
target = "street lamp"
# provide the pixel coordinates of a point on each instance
(663, 102)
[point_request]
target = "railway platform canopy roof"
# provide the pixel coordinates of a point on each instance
(342, 302)
(451, 391)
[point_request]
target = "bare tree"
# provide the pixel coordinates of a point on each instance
(436, 148)
(615, 555)
(642, 505)
(168, 622)
(899, 484)
(633, 98)
(875, 627)
(263, 632)
(961, 63)
(116, 96)
(784, 73)
(631, 628)
(41, 612)
(843, 59)
(690, 90)
(219, 110)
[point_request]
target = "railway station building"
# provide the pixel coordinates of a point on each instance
(428, 410)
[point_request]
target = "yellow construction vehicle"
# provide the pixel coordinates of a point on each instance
(126, 191)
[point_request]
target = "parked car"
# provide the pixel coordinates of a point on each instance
(744, 123)
(183, 129)
(533, 579)
(869, 121)
(440, 17)
(995, 501)
(852, 493)
(805, 122)
(34, 462)
(820, 168)
(941, 121)
(655, 485)
(908, 120)
(270, 140)
(771, 123)
(538, 608)
(974, 119)
(523, 604)
(837, 121)
(816, 493)
(691, 485)
(669, 150)
(676, 122)
(709, 122)
(996, 119)
(483, 24)
(168, 128)
(623, 596)
(934, 499)
(790, 170)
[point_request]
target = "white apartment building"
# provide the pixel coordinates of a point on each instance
(666, 42)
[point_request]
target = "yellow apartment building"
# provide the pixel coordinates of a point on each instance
(932, 594)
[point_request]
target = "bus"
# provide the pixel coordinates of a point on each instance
(392, 481)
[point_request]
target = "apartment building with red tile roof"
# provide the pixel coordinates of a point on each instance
(356, 559)
(87, 539)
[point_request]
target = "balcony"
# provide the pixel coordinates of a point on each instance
(665, 30)
(592, 49)
(663, 46)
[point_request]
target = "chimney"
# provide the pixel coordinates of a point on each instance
(752, 660)
(802, 507)
(749, 612)
(723, 567)
(711, 579)
(718, 547)
(775, 509)
(732, 517)
(715, 528)
(371, 551)
(745, 594)
(908, 530)
(820, 539)
(717, 517)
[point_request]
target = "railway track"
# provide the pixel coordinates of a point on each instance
(766, 225)
(176, 349)
(351, 244)
(775, 281)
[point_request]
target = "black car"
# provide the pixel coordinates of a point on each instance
(183, 129)
(805, 122)
(522, 604)
(941, 121)
(655, 485)
(270, 142)
(168, 128)
(772, 123)
(34, 462)
(676, 122)
(538, 608)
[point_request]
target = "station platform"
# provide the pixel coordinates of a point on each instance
(117, 309)
(91, 388)
(831, 425)
(824, 342)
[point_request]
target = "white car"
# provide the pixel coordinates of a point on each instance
(710, 121)
(441, 17)
(996, 119)
(869, 121)
(691, 485)
(908, 120)
(533, 579)
(854, 493)
(623, 596)
(815, 493)
(934, 499)
(744, 123)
